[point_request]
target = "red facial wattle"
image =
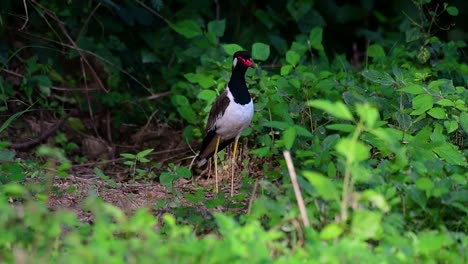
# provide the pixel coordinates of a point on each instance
(246, 62)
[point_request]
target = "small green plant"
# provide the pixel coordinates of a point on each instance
(134, 159)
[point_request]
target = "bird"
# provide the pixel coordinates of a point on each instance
(229, 116)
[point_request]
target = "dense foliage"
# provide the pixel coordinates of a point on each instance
(370, 99)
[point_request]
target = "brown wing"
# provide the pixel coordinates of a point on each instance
(216, 112)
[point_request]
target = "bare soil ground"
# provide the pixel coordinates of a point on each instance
(122, 189)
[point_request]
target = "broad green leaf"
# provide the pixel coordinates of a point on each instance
(205, 81)
(184, 172)
(377, 77)
(187, 28)
(6, 155)
(128, 155)
(377, 199)
(301, 131)
(453, 11)
(445, 102)
(286, 69)
(217, 27)
(367, 113)
(451, 126)
(422, 103)
(437, 112)
(145, 152)
(463, 121)
(331, 231)
(187, 113)
(342, 127)
(404, 120)
(292, 57)
(148, 57)
(14, 190)
(354, 151)
(366, 224)
(315, 38)
(375, 51)
(337, 109)
(413, 89)
(431, 242)
(191, 77)
(450, 154)
(424, 184)
(289, 136)
(230, 49)
(323, 185)
(207, 95)
(166, 179)
(260, 51)
(276, 124)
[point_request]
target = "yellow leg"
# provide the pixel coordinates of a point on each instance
(232, 166)
(216, 163)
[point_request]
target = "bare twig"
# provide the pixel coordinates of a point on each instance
(254, 192)
(156, 96)
(297, 190)
(26, 14)
(152, 11)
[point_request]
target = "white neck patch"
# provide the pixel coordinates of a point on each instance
(234, 62)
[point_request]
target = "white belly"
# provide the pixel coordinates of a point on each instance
(236, 118)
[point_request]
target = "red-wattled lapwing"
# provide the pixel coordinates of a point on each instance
(230, 114)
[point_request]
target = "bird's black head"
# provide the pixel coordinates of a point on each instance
(242, 59)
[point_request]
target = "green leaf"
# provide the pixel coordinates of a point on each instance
(286, 69)
(128, 155)
(184, 172)
(207, 95)
(366, 224)
(375, 51)
(451, 126)
(337, 109)
(354, 151)
(315, 38)
(453, 11)
(166, 179)
(217, 27)
(367, 113)
(463, 121)
(422, 103)
(323, 185)
(331, 231)
(445, 102)
(143, 153)
(260, 51)
(289, 136)
(342, 127)
(301, 131)
(450, 154)
(404, 120)
(6, 155)
(413, 89)
(424, 184)
(377, 77)
(12, 118)
(292, 57)
(230, 49)
(437, 112)
(187, 28)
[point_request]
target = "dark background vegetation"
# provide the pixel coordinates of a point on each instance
(103, 105)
